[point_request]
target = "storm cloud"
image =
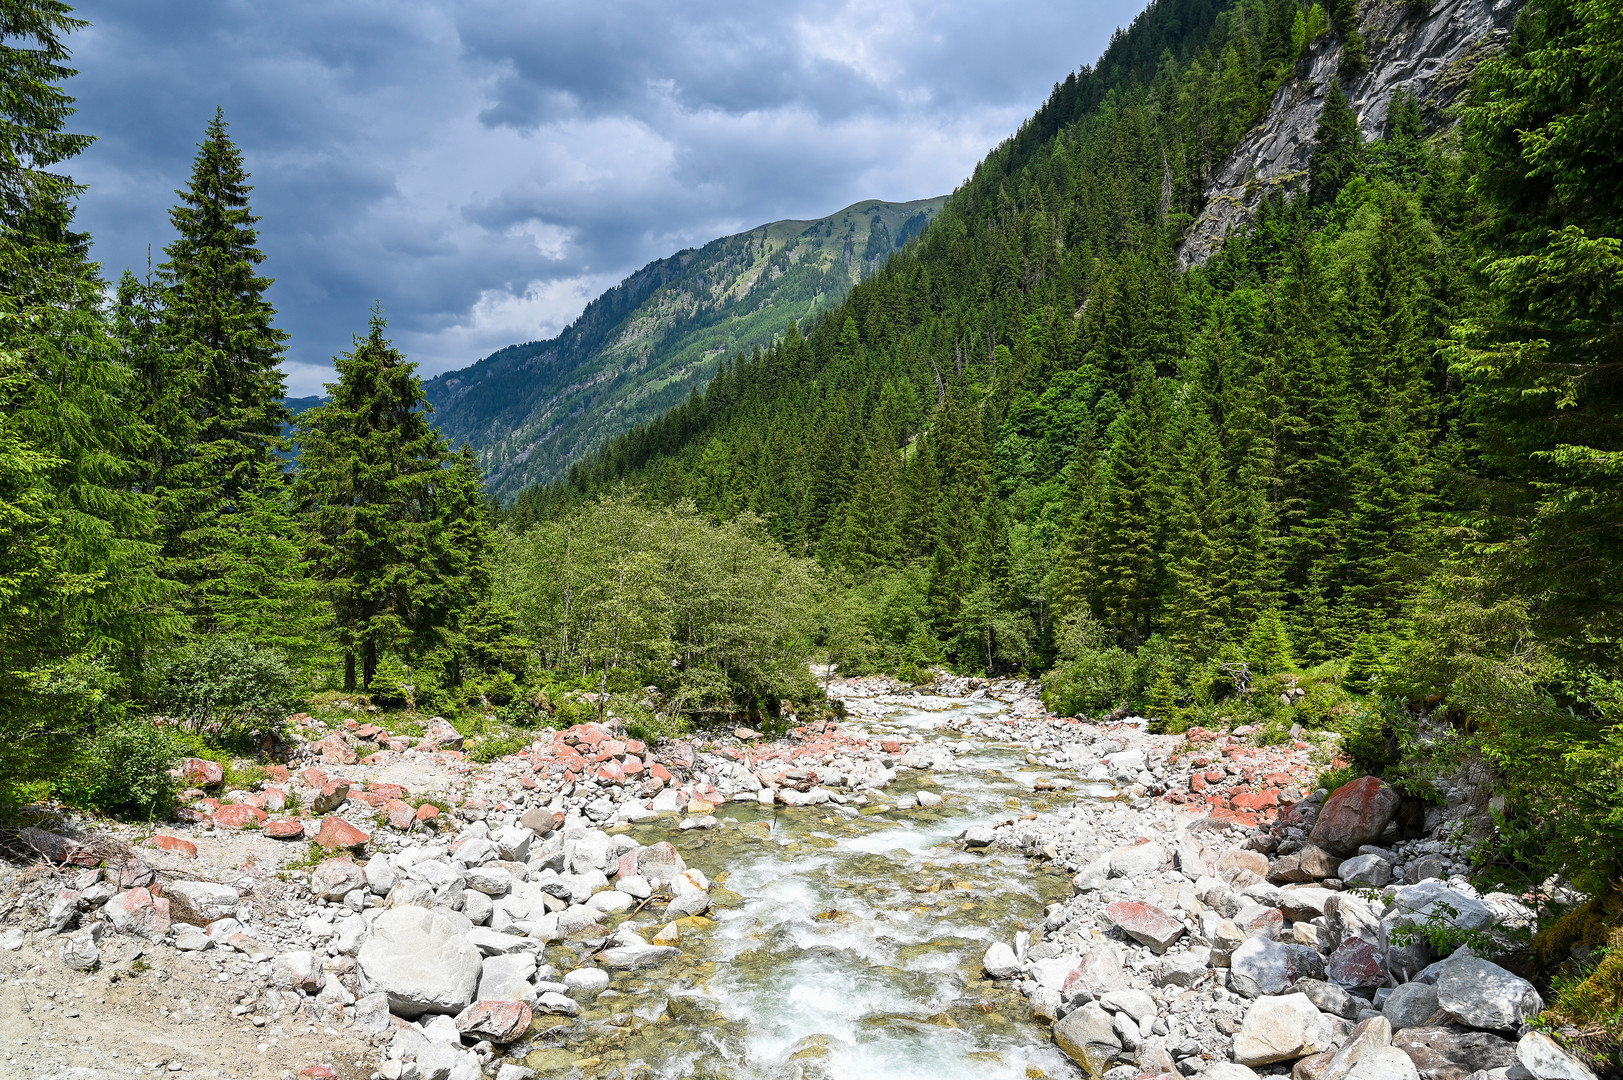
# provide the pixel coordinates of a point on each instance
(482, 169)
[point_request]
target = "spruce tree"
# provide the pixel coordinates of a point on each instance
(393, 523)
(1542, 362)
(81, 595)
(224, 500)
(1336, 147)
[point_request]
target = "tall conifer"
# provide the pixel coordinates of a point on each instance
(223, 504)
(395, 525)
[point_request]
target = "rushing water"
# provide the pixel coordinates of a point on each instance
(839, 948)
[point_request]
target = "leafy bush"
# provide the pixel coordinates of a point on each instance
(490, 747)
(125, 770)
(231, 691)
(1096, 681)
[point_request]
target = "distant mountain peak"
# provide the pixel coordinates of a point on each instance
(531, 410)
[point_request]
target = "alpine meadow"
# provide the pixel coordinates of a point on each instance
(1209, 518)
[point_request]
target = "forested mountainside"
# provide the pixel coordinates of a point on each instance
(1032, 413)
(532, 410)
(1374, 432)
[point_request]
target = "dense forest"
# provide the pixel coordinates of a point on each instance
(1370, 448)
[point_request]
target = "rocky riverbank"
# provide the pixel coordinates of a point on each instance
(591, 906)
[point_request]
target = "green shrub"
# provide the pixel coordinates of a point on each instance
(490, 747)
(125, 770)
(232, 692)
(1096, 681)
(391, 686)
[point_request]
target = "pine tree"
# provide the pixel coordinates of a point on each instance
(395, 526)
(1545, 397)
(226, 498)
(1267, 647)
(1364, 666)
(81, 593)
(1337, 143)
(1133, 500)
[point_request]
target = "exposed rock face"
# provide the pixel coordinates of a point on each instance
(1430, 53)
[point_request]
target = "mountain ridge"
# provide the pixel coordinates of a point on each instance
(530, 410)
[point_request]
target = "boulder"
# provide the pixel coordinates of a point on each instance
(1000, 962)
(139, 914)
(1193, 859)
(586, 982)
(538, 820)
(1098, 972)
(1262, 966)
(1088, 1036)
(283, 829)
(1355, 814)
(1411, 1005)
(659, 863)
(1282, 1029)
(199, 772)
(1453, 1053)
(1384, 1063)
(332, 878)
(1138, 860)
(420, 960)
(1483, 995)
(80, 952)
(174, 845)
(1135, 1003)
(1539, 1055)
(499, 1021)
(1367, 870)
(329, 797)
(1357, 965)
(1368, 1036)
(1254, 862)
(556, 1004)
(634, 956)
(1439, 902)
(1091, 877)
(1228, 1070)
(506, 977)
(297, 970)
(1145, 923)
(202, 902)
(336, 834)
(1329, 998)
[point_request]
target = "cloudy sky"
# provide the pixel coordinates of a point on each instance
(485, 167)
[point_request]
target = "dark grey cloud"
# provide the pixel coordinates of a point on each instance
(485, 167)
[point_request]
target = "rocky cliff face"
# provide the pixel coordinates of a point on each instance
(1429, 52)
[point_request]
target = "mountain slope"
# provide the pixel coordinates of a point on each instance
(532, 410)
(1035, 416)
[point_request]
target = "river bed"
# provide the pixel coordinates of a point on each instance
(841, 948)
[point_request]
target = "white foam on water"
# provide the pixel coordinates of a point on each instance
(828, 968)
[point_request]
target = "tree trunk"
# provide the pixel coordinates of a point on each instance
(349, 672)
(369, 663)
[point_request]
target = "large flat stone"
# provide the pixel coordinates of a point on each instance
(421, 961)
(1282, 1029)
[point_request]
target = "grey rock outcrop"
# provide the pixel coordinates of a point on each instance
(1428, 52)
